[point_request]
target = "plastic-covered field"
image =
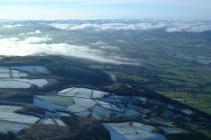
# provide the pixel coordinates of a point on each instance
(83, 93)
(51, 121)
(11, 121)
(6, 73)
(7, 113)
(12, 84)
(132, 131)
(87, 102)
(19, 77)
(22, 83)
(37, 82)
(32, 69)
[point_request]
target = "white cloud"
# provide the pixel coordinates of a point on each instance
(173, 26)
(36, 32)
(189, 27)
(36, 40)
(108, 26)
(30, 46)
(10, 26)
(99, 43)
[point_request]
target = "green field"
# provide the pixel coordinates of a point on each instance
(199, 101)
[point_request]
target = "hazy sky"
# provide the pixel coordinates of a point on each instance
(88, 9)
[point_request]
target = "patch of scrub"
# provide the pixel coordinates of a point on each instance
(172, 130)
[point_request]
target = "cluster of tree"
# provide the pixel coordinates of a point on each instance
(8, 136)
(76, 129)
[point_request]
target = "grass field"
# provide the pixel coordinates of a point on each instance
(199, 101)
(199, 129)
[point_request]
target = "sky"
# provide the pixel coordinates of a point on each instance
(104, 9)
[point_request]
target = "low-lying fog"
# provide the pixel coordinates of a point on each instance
(106, 41)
